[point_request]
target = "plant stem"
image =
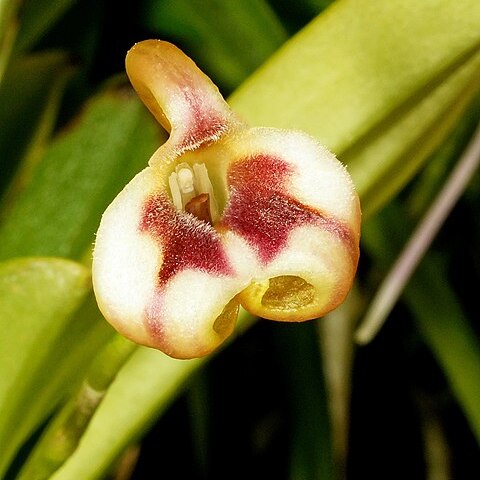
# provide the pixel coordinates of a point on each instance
(61, 437)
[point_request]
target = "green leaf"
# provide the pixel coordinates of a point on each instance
(37, 18)
(449, 335)
(385, 161)
(311, 448)
(29, 97)
(381, 113)
(59, 212)
(381, 166)
(144, 388)
(38, 298)
(219, 46)
(356, 65)
(436, 309)
(8, 31)
(442, 161)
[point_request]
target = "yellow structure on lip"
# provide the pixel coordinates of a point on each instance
(282, 233)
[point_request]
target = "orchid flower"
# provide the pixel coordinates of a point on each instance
(224, 215)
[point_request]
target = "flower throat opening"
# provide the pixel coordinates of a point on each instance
(192, 191)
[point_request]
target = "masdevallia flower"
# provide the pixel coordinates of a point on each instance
(224, 215)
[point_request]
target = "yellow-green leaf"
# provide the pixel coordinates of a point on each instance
(38, 299)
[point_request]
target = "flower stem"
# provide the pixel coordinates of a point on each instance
(61, 437)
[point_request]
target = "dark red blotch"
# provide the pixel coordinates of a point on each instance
(186, 242)
(261, 210)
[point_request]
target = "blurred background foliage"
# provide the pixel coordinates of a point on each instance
(392, 89)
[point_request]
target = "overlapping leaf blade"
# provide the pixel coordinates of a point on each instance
(381, 112)
(38, 299)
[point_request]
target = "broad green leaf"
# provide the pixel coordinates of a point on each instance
(353, 70)
(38, 298)
(59, 212)
(359, 64)
(220, 47)
(381, 113)
(28, 89)
(385, 161)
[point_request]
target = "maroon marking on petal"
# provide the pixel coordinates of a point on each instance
(186, 241)
(153, 319)
(205, 123)
(260, 209)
